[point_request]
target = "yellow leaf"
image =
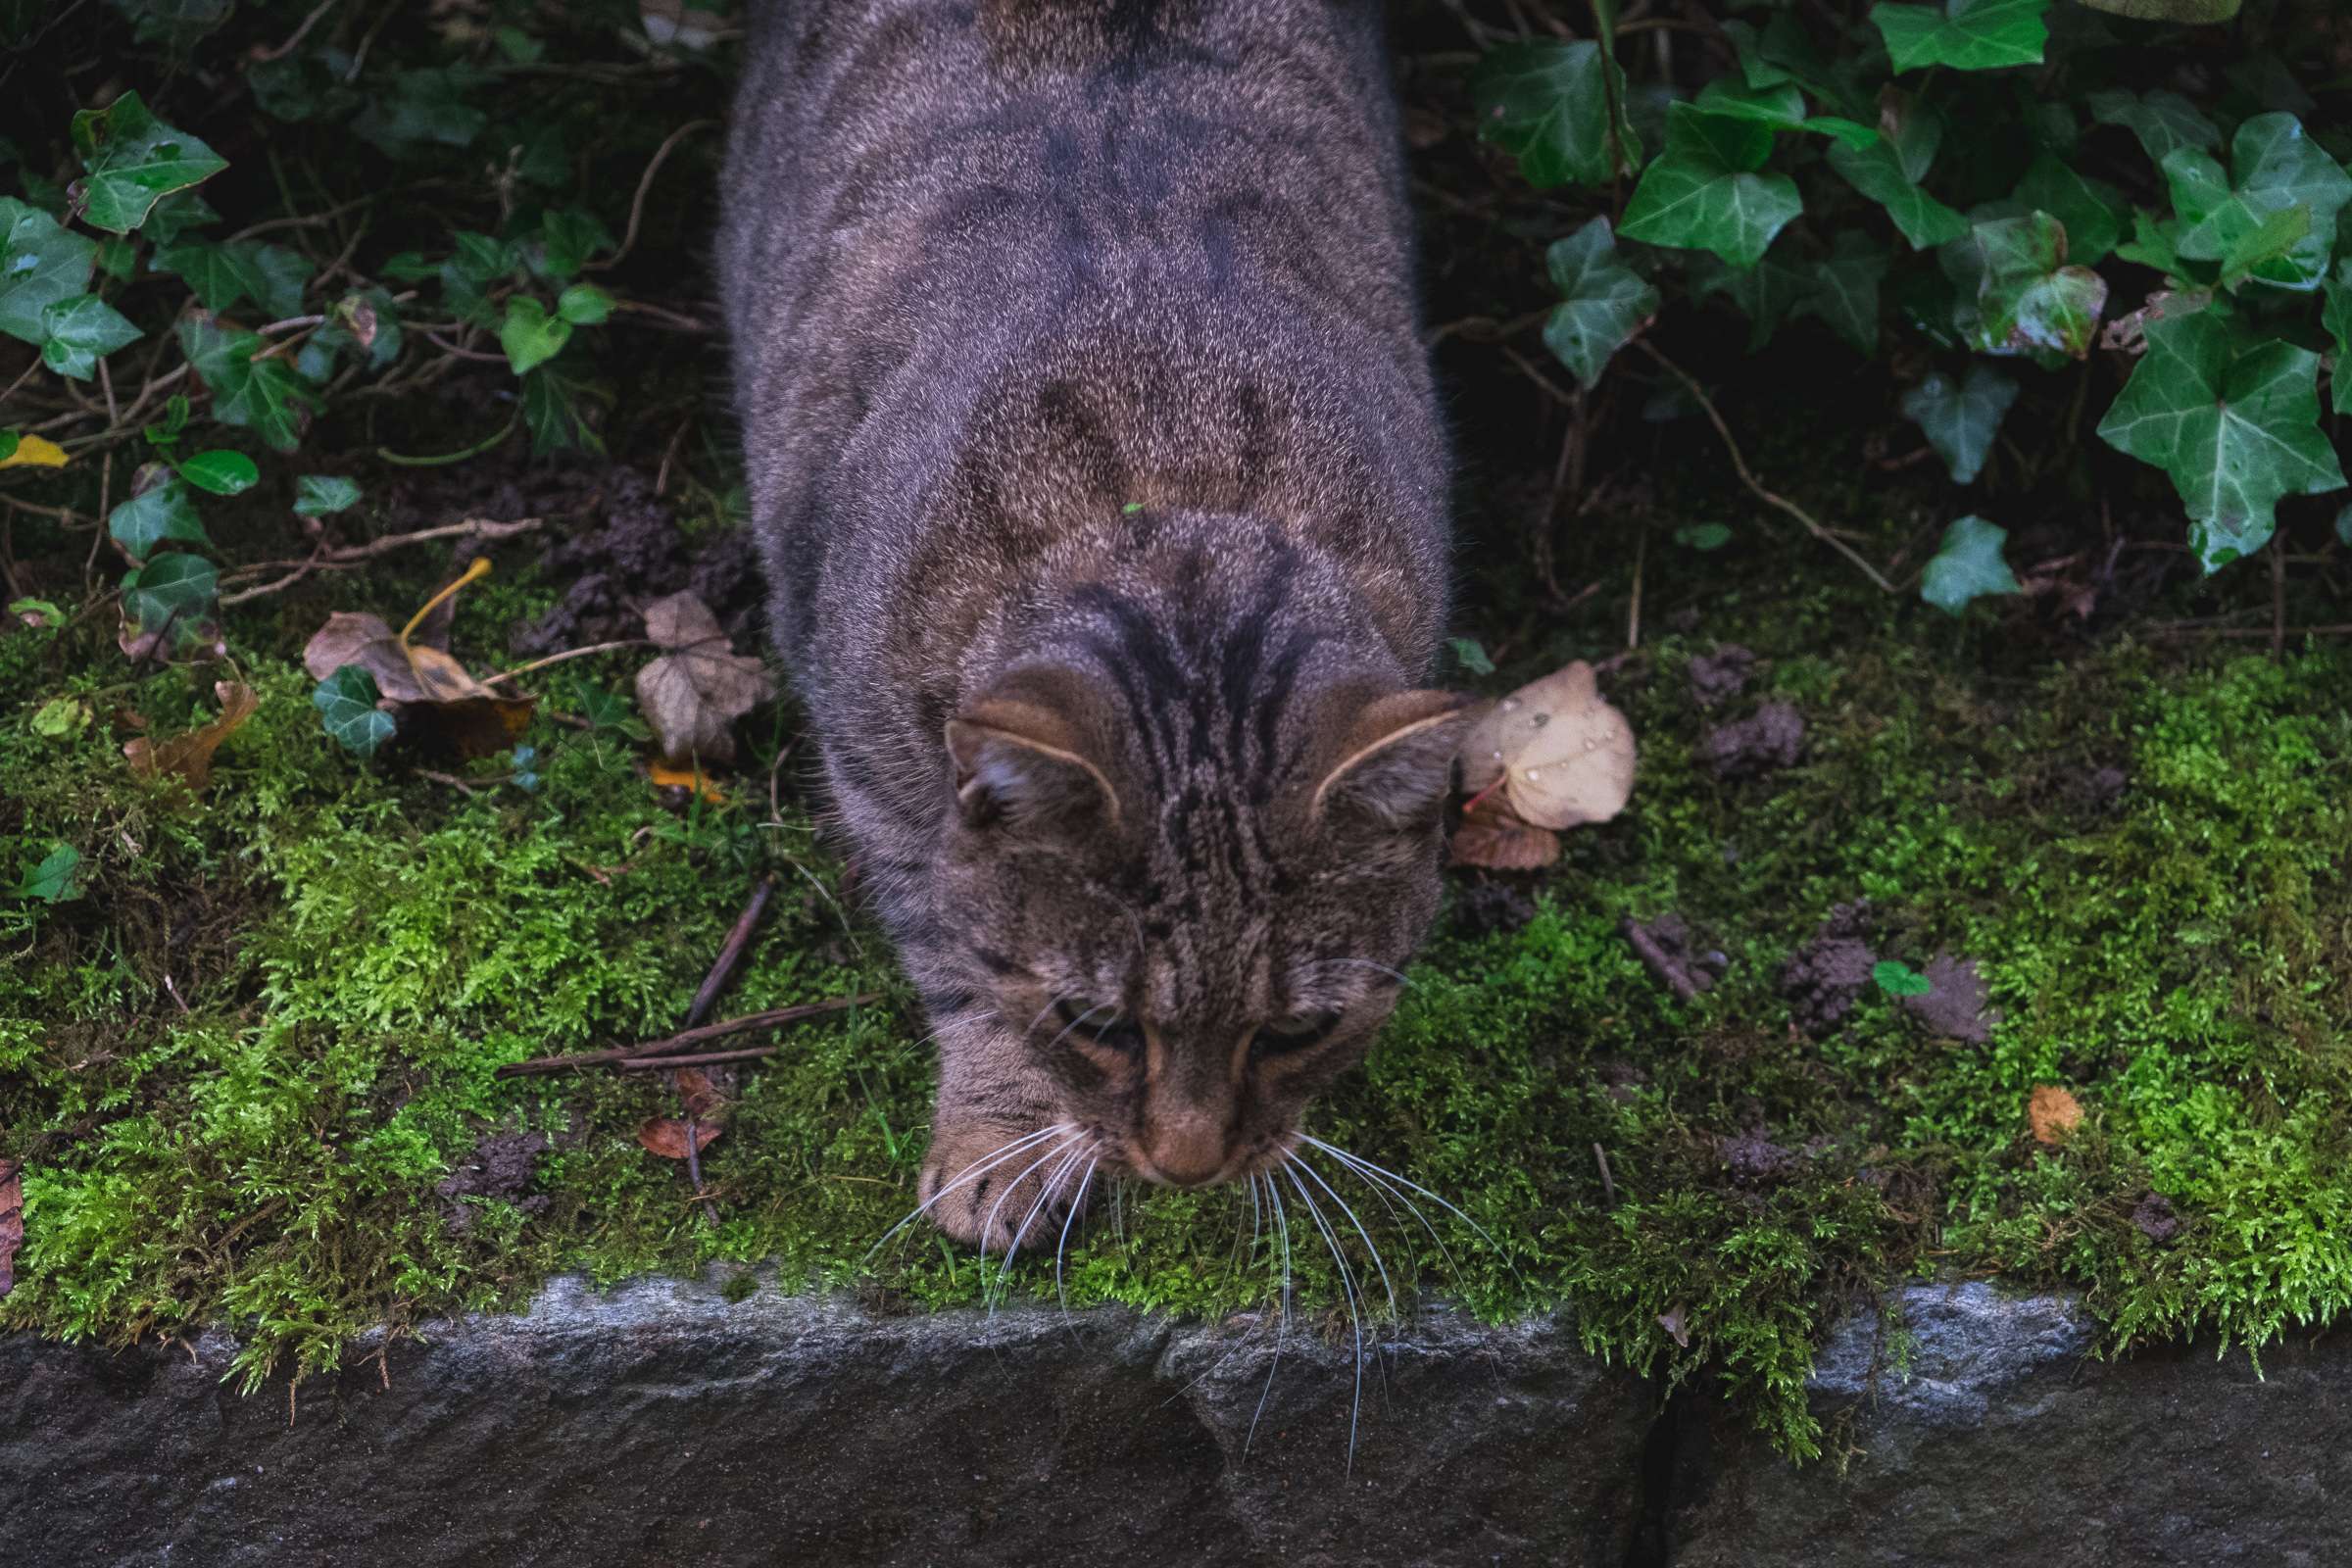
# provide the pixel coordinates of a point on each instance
(35, 452)
(666, 777)
(2053, 1113)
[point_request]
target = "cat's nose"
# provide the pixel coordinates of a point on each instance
(1185, 1152)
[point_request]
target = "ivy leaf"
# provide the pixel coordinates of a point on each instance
(2161, 120)
(346, 703)
(1546, 104)
(149, 518)
(568, 237)
(2235, 426)
(1878, 172)
(272, 275)
(40, 264)
(1781, 107)
(1704, 536)
(221, 473)
(1768, 293)
(1625, 151)
(2153, 243)
(1960, 422)
(2275, 165)
(530, 336)
(2093, 211)
(2276, 238)
(1602, 302)
(2028, 297)
(1965, 35)
(51, 881)
(584, 305)
(2335, 314)
(174, 216)
(1845, 290)
(82, 332)
(263, 396)
(1968, 566)
(1704, 192)
(175, 589)
(424, 107)
(551, 410)
(133, 160)
(317, 495)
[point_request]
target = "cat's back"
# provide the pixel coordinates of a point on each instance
(1134, 247)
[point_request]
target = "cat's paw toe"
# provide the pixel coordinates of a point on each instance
(986, 1187)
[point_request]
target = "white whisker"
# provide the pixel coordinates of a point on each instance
(988, 1224)
(976, 1169)
(1381, 1187)
(1384, 1284)
(1358, 1160)
(1281, 1324)
(1076, 1199)
(1045, 1190)
(1355, 1317)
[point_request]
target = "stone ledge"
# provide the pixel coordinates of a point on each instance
(660, 1425)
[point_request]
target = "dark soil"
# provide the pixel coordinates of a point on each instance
(1767, 741)
(1823, 978)
(503, 1165)
(1721, 675)
(1955, 1009)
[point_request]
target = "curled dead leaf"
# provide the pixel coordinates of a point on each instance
(2053, 1113)
(1561, 756)
(1676, 1321)
(695, 691)
(666, 1135)
(1493, 840)
(12, 1221)
(436, 699)
(189, 757)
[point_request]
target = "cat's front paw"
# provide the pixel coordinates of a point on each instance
(1000, 1188)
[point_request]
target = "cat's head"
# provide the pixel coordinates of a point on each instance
(1190, 878)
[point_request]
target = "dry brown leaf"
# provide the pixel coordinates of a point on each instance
(666, 1135)
(1676, 1321)
(1492, 839)
(189, 757)
(12, 1221)
(436, 699)
(1562, 755)
(693, 694)
(2053, 1113)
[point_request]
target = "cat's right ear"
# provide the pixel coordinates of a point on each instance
(1027, 753)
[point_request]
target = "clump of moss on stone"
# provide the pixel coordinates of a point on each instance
(239, 1065)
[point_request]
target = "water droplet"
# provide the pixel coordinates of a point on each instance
(1532, 775)
(1509, 703)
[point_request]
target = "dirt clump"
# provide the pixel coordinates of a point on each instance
(1669, 951)
(1755, 1160)
(1954, 1006)
(502, 1167)
(1822, 979)
(1721, 675)
(2155, 1218)
(1482, 908)
(628, 553)
(1770, 739)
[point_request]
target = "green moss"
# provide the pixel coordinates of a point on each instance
(238, 1066)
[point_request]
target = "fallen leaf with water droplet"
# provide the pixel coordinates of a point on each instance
(1561, 756)
(189, 757)
(2053, 1113)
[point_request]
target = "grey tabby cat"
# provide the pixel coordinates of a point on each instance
(1102, 494)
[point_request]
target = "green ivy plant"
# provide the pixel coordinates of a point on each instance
(2000, 183)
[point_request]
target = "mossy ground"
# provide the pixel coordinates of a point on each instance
(239, 1060)
(237, 1064)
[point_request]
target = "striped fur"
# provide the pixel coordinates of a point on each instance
(1094, 460)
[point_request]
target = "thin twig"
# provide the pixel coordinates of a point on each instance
(568, 653)
(1608, 1182)
(705, 1059)
(663, 1052)
(644, 183)
(1748, 479)
(295, 42)
(730, 954)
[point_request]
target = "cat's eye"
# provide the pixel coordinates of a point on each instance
(1285, 1035)
(1105, 1026)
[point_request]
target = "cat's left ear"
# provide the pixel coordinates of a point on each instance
(1032, 750)
(1394, 761)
